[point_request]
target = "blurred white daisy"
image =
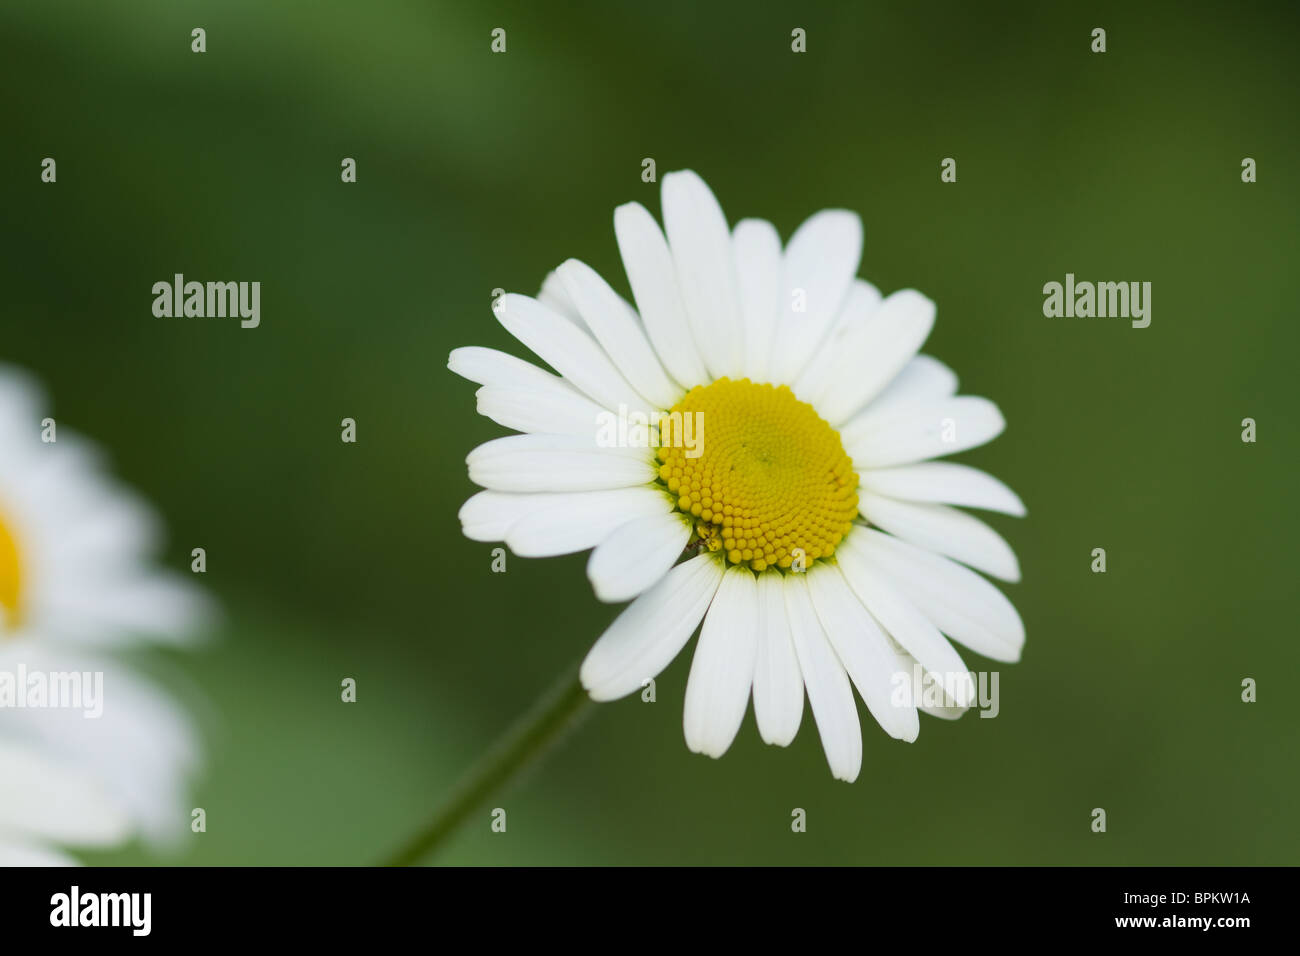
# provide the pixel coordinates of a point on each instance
(77, 582)
(792, 504)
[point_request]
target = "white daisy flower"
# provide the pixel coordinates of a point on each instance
(792, 504)
(77, 581)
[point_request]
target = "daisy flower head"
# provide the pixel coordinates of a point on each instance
(784, 494)
(77, 583)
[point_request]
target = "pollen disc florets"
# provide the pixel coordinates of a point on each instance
(10, 580)
(766, 476)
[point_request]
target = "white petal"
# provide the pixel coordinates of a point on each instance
(829, 692)
(557, 410)
(945, 530)
(142, 750)
(17, 854)
(924, 431)
(875, 355)
(637, 554)
(923, 381)
(931, 692)
(653, 277)
(864, 651)
(820, 260)
(492, 367)
(555, 297)
(489, 515)
(958, 601)
(817, 379)
(706, 276)
(645, 638)
(757, 250)
(569, 350)
(778, 682)
(101, 524)
(723, 667)
(70, 473)
(45, 798)
(618, 329)
(944, 482)
(124, 604)
(556, 463)
(565, 523)
(909, 627)
(943, 713)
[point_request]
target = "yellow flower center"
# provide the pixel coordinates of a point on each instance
(767, 477)
(10, 579)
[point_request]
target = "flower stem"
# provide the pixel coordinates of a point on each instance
(541, 727)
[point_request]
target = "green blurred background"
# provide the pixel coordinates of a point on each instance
(478, 171)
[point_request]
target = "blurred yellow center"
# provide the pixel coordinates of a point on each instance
(769, 480)
(10, 578)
